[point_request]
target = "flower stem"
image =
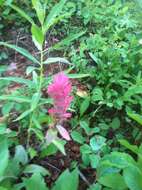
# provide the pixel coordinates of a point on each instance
(39, 91)
(41, 71)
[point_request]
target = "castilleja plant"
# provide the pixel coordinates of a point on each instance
(60, 91)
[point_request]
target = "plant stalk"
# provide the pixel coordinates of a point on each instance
(39, 91)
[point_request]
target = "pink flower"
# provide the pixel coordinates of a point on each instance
(60, 91)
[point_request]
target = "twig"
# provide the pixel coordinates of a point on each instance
(53, 166)
(84, 178)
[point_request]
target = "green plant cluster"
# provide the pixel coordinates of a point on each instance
(98, 44)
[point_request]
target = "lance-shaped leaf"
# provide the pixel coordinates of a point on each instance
(22, 13)
(20, 50)
(52, 16)
(40, 10)
(37, 36)
(56, 60)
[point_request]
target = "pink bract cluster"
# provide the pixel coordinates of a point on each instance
(60, 91)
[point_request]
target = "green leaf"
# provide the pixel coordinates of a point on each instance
(24, 114)
(35, 99)
(97, 94)
(51, 149)
(18, 80)
(67, 41)
(94, 159)
(1, 2)
(113, 181)
(136, 117)
(35, 182)
(7, 107)
(133, 178)
(115, 124)
(22, 13)
(30, 69)
(67, 181)
(33, 168)
(114, 162)
(21, 155)
(32, 152)
(37, 36)
(133, 148)
(84, 106)
(78, 76)
(51, 18)
(96, 186)
(60, 145)
(55, 60)
(85, 125)
(36, 122)
(38, 133)
(77, 137)
(85, 149)
(19, 99)
(133, 90)
(97, 142)
(20, 50)
(40, 10)
(3, 188)
(4, 155)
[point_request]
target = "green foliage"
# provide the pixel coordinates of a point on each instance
(98, 45)
(112, 166)
(67, 180)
